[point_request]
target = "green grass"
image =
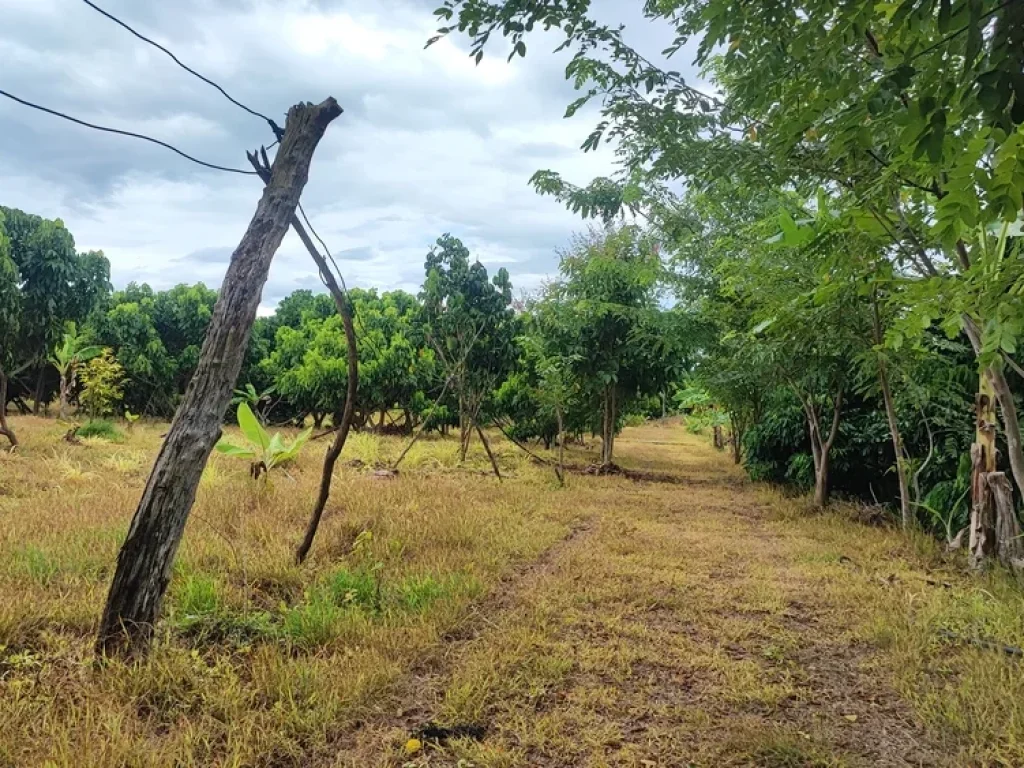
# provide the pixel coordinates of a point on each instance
(101, 428)
(705, 622)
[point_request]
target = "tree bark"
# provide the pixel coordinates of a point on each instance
(1007, 407)
(821, 448)
(982, 542)
(63, 410)
(821, 488)
(487, 447)
(5, 428)
(608, 427)
(144, 563)
(1009, 541)
(561, 446)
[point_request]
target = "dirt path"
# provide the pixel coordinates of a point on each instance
(690, 624)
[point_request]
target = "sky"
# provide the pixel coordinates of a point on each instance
(429, 142)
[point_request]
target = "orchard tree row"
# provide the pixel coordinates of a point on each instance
(593, 347)
(842, 206)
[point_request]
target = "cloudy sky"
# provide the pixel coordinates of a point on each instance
(429, 143)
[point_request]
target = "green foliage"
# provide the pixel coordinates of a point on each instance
(102, 384)
(263, 450)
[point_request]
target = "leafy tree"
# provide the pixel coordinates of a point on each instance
(603, 316)
(102, 384)
(56, 285)
(470, 324)
(10, 317)
(67, 357)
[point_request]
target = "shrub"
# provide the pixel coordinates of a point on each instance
(101, 428)
(103, 384)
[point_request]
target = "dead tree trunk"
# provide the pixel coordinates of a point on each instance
(1009, 541)
(341, 433)
(342, 422)
(144, 563)
(5, 428)
(982, 541)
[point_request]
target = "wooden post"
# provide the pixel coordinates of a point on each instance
(982, 540)
(144, 563)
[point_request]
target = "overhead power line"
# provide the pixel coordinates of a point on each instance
(274, 127)
(118, 131)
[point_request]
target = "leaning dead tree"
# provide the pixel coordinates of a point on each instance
(341, 430)
(144, 562)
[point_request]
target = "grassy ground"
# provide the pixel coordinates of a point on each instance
(688, 619)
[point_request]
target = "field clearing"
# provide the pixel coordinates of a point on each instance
(695, 620)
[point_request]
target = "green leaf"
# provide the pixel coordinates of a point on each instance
(251, 427)
(228, 449)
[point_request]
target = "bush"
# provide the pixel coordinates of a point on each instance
(101, 428)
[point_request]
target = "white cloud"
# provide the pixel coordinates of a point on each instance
(429, 142)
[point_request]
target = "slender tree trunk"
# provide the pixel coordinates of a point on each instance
(561, 446)
(487, 447)
(342, 422)
(144, 563)
(906, 513)
(62, 412)
(5, 428)
(821, 447)
(464, 433)
(737, 428)
(982, 541)
(821, 487)
(38, 394)
(608, 427)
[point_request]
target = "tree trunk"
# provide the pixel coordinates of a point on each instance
(343, 424)
(1009, 541)
(64, 386)
(716, 431)
(487, 447)
(608, 428)
(982, 542)
(821, 447)
(38, 394)
(1007, 408)
(464, 433)
(906, 513)
(821, 489)
(561, 447)
(5, 428)
(736, 426)
(144, 563)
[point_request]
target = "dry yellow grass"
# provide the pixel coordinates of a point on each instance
(696, 620)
